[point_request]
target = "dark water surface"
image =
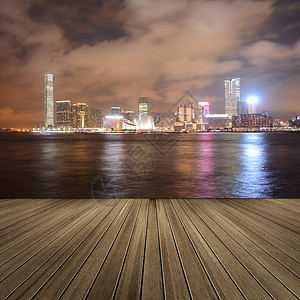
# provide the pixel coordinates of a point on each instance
(245, 165)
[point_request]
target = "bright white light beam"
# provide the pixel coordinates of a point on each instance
(252, 100)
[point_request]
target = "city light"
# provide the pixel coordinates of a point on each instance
(216, 116)
(114, 117)
(252, 100)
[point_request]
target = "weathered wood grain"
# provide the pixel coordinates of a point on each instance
(149, 248)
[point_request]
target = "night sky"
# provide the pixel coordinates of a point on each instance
(108, 53)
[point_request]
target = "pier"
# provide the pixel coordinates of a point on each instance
(149, 249)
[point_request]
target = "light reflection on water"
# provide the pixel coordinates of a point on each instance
(253, 179)
(247, 165)
(206, 168)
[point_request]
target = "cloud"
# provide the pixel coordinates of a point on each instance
(110, 53)
(267, 52)
(180, 45)
(6, 112)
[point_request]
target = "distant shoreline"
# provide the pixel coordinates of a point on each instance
(145, 132)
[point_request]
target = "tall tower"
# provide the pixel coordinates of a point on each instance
(144, 107)
(233, 105)
(49, 101)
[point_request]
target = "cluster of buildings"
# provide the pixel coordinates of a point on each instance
(63, 115)
(239, 115)
(66, 114)
(190, 116)
(125, 120)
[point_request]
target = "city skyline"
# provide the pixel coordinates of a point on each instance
(189, 117)
(126, 49)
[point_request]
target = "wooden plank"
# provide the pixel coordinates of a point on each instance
(268, 209)
(105, 281)
(248, 284)
(285, 233)
(129, 286)
(176, 285)
(149, 248)
(19, 272)
(32, 237)
(35, 223)
(277, 218)
(152, 286)
(227, 287)
(200, 284)
(23, 217)
(10, 209)
(39, 238)
(276, 279)
(81, 265)
(269, 242)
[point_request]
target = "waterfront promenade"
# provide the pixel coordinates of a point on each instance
(149, 248)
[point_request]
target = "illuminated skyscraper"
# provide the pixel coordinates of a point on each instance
(63, 113)
(203, 110)
(144, 107)
(49, 101)
(233, 104)
(186, 113)
(95, 118)
(79, 115)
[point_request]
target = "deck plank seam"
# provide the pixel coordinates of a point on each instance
(234, 212)
(255, 242)
(215, 254)
(281, 225)
(126, 252)
(228, 248)
(144, 253)
(270, 272)
(160, 254)
(178, 253)
(43, 228)
(85, 260)
(50, 256)
(197, 254)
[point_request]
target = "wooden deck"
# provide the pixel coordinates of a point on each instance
(149, 248)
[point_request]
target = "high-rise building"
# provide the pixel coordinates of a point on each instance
(95, 118)
(63, 113)
(186, 112)
(143, 107)
(233, 103)
(203, 110)
(49, 101)
(151, 110)
(79, 115)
